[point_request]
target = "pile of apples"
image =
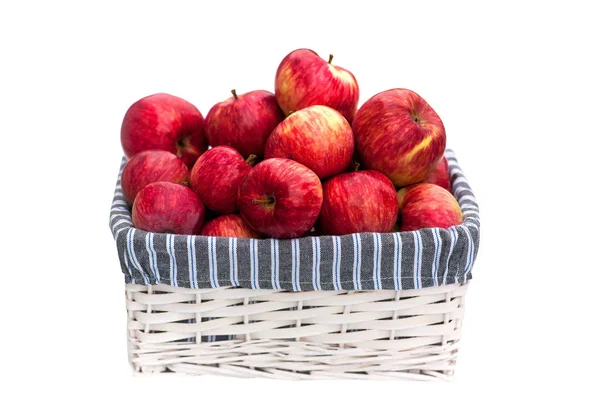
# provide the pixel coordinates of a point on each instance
(302, 161)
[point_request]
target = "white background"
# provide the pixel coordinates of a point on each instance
(515, 83)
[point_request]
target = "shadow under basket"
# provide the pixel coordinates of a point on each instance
(359, 306)
(410, 334)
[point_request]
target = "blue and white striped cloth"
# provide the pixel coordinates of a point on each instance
(365, 261)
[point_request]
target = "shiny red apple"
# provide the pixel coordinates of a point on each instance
(304, 79)
(427, 205)
(318, 137)
(166, 207)
(280, 198)
(151, 166)
(440, 176)
(229, 225)
(244, 122)
(216, 178)
(164, 122)
(398, 133)
(362, 201)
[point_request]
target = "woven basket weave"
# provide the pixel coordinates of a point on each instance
(411, 334)
(242, 331)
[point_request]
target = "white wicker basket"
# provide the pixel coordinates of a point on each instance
(410, 334)
(249, 332)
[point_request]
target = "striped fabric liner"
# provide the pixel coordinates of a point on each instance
(365, 261)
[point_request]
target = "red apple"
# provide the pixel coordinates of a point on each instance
(318, 137)
(164, 122)
(229, 225)
(399, 134)
(440, 176)
(243, 122)
(304, 79)
(216, 178)
(427, 205)
(280, 198)
(362, 201)
(166, 207)
(151, 166)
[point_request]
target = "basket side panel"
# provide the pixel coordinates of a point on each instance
(311, 335)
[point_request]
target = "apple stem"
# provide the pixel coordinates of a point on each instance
(330, 59)
(356, 166)
(416, 118)
(268, 201)
(251, 160)
(234, 93)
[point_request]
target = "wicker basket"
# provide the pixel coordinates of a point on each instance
(243, 332)
(410, 334)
